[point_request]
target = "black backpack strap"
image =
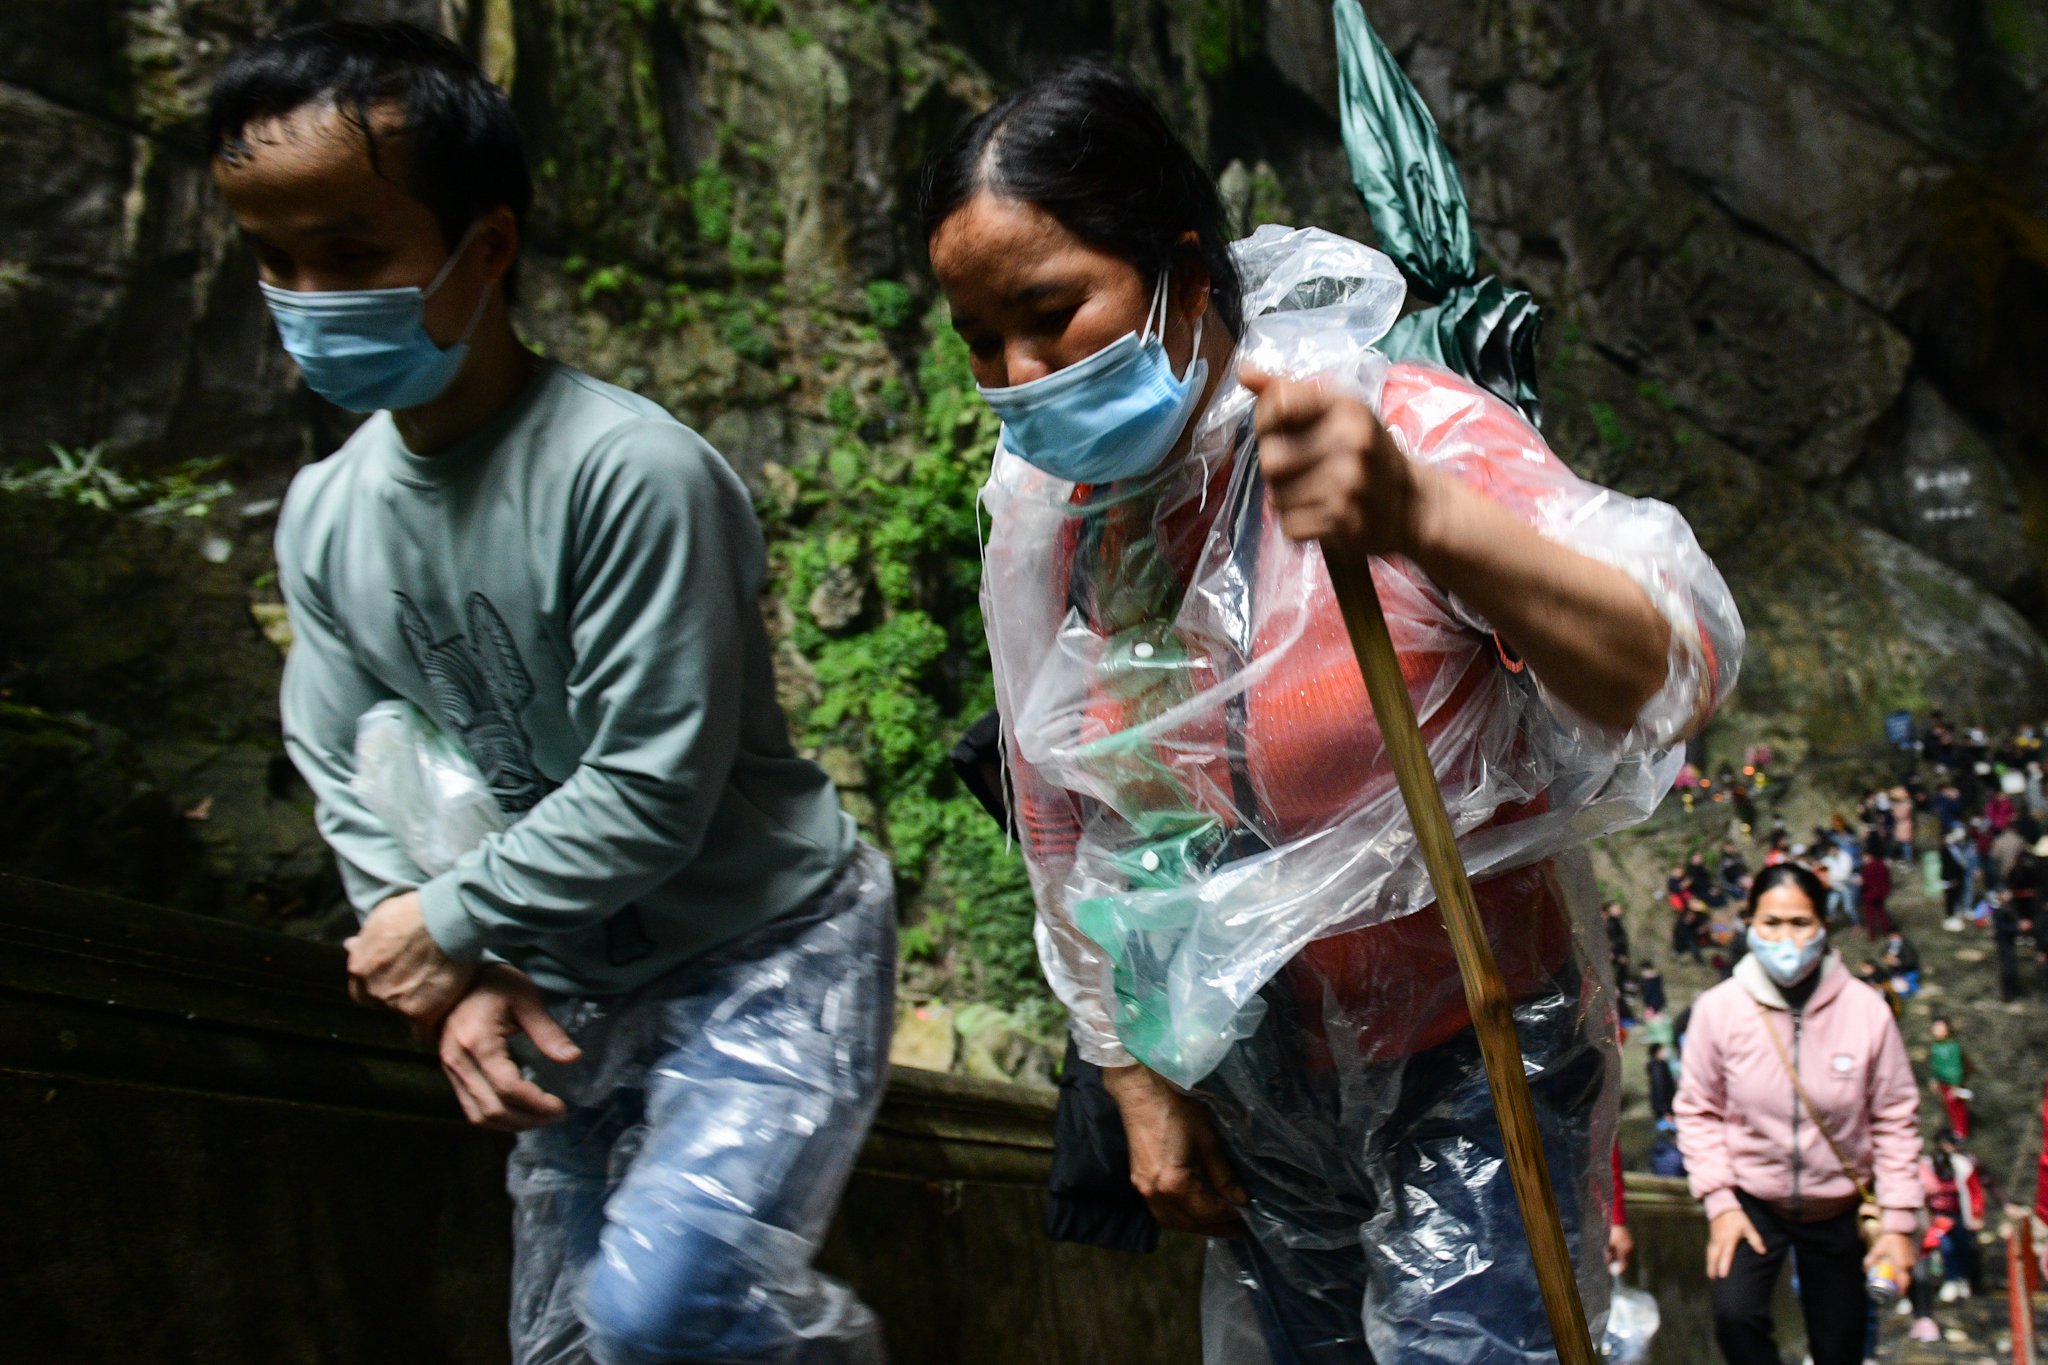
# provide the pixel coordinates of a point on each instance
(1246, 513)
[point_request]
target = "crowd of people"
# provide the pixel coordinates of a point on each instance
(1785, 1093)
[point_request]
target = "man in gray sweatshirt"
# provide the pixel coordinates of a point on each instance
(564, 578)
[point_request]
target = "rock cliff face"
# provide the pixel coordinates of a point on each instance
(1795, 256)
(1814, 236)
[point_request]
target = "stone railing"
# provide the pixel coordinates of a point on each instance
(212, 1156)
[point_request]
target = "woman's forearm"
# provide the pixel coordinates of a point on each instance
(1585, 628)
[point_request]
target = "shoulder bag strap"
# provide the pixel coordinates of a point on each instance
(1777, 1044)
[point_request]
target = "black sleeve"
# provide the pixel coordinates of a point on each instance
(1089, 1195)
(978, 762)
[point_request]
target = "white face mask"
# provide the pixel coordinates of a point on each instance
(1788, 961)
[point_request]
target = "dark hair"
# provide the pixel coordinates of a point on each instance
(467, 155)
(1085, 143)
(1780, 873)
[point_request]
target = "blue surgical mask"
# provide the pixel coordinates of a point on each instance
(365, 349)
(1785, 961)
(1112, 416)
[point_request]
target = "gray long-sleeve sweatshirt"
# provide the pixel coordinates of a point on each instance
(572, 593)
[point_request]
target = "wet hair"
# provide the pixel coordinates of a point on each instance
(1087, 145)
(1780, 873)
(466, 153)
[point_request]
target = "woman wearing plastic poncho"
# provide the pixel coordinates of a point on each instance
(1231, 904)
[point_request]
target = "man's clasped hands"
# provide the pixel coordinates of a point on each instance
(473, 1011)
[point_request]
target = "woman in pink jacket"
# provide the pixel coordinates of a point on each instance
(1769, 1164)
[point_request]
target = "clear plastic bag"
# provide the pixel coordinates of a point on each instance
(422, 785)
(1232, 1331)
(1201, 784)
(1632, 1322)
(675, 1212)
(1383, 1218)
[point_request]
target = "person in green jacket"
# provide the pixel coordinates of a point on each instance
(1951, 1068)
(564, 578)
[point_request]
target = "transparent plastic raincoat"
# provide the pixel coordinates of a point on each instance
(674, 1213)
(1227, 883)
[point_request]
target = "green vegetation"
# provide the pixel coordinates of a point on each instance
(890, 305)
(752, 256)
(81, 476)
(1224, 31)
(711, 202)
(2017, 27)
(1268, 202)
(606, 280)
(843, 408)
(896, 686)
(747, 339)
(1612, 433)
(1658, 394)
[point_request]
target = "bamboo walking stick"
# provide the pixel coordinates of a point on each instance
(1485, 993)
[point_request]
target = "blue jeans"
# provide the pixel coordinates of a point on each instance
(1384, 1223)
(1959, 1255)
(714, 1118)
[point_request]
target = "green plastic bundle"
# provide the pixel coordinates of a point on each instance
(1478, 327)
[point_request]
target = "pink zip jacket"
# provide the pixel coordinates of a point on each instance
(1741, 1124)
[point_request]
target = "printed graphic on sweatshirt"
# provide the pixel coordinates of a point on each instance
(480, 686)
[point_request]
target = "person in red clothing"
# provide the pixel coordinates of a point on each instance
(1949, 1066)
(1955, 1208)
(1999, 811)
(1231, 904)
(2041, 1186)
(1621, 1243)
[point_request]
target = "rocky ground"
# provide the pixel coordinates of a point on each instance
(1975, 1332)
